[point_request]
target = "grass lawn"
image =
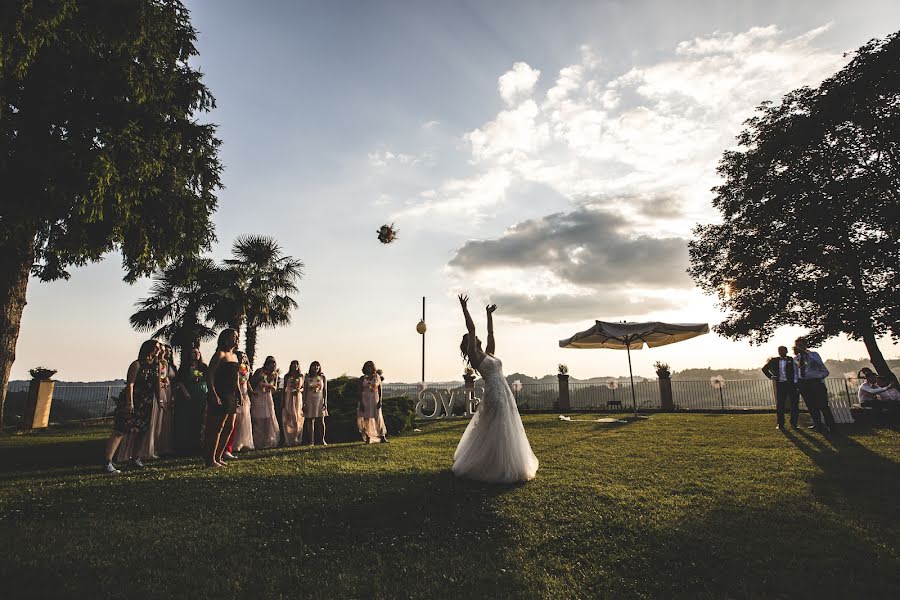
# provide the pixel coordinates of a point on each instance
(691, 506)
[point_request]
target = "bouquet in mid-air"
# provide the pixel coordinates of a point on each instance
(387, 234)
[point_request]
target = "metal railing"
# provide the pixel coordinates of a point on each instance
(78, 403)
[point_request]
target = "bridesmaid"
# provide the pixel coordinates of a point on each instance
(262, 410)
(137, 447)
(135, 404)
(315, 403)
(190, 403)
(368, 416)
(242, 438)
(222, 399)
(164, 432)
(291, 416)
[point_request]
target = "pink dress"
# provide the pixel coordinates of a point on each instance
(314, 397)
(164, 431)
(266, 431)
(291, 417)
(243, 423)
(369, 418)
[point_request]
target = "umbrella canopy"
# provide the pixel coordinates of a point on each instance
(632, 336)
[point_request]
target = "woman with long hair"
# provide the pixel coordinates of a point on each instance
(291, 415)
(135, 403)
(164, 429)
(263, 383)
(223, 396)
(242, 438)
(494, 447)
(137, 447)
(190, 403)
(315, 403)
(369, 419)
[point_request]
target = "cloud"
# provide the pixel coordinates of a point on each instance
(634, 153)
(654, 129)
(517, 82)
(589, 249)
(566, 308)
(467, 198)
(385, 158)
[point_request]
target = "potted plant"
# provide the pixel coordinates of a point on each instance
(42, 373)
(563, 376)
(663, 371)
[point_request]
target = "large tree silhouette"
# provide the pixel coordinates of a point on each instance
(810, 233)
(100, 147)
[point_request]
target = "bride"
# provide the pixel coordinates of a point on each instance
(494, 447)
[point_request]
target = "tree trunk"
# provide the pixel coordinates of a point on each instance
(250, 343)
(876, 356)
(16, 259)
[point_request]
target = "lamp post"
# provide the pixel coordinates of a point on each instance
(421, 328)
(718, 383)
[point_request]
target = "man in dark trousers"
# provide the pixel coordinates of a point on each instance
(782, 370)
(812, 373)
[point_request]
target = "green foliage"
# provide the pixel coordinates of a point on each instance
(810, 235)
(180, 299)
(100, 145)
(343, 399)
(262, 289)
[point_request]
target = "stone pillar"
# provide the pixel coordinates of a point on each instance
(665, 394)
(37, 408)
(564, 405)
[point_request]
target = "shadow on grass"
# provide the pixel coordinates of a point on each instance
(325, 535)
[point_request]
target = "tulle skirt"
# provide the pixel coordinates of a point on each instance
(369, 419)
(494, 447)
(292, 420)
(243, 427)
(262, 414)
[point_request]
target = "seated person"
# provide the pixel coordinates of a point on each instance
(889, 393)
(869, 390)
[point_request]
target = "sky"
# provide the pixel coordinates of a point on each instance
(551, 157)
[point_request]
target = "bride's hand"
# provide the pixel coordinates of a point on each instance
(490, 308)
(463, 301)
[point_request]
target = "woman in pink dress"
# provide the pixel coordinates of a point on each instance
(164, 431)
(315, 404)
(242, 438)
(369, 419)
(291, 415)
(263, 383)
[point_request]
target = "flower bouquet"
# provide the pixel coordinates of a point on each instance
(387, 234)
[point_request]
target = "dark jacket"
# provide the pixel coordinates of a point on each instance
(772, 371)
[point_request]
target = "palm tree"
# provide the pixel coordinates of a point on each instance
(180, 299)
(265, 282)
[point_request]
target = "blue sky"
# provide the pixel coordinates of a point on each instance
(551, 157)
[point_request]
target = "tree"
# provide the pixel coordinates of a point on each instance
(810, 204)
(100, 148)
(180, 299)
(263, 299)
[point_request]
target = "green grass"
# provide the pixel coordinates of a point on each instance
(691, 506)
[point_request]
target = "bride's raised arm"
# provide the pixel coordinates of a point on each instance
(470, 326)
(491, 343)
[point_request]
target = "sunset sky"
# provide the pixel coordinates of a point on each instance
(551, 157)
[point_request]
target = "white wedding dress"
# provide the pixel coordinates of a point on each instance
(494, 447)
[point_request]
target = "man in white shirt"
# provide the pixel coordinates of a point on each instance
(869, 390)
(783, 371)
(812, 373)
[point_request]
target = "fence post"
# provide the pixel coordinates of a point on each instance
(564, 405)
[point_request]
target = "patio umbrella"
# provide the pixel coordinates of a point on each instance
(632, 336)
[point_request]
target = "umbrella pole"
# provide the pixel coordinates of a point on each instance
(631, 375)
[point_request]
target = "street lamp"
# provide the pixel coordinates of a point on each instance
(718, 383)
